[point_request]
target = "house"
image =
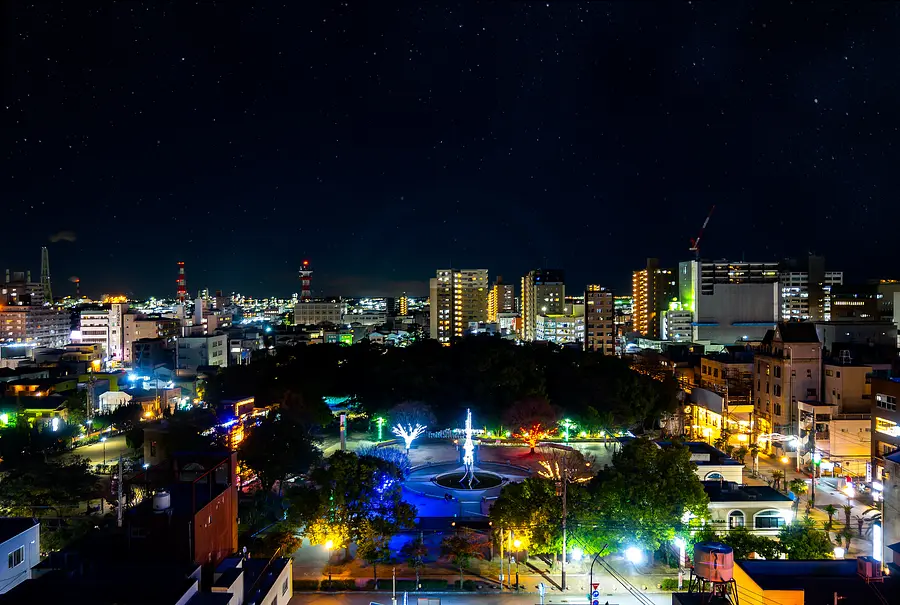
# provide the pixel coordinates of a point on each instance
(255, 580)
(759, 508)
(712, 464)
(20, 539)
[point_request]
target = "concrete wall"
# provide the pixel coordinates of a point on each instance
(731, 304)
(30, 541)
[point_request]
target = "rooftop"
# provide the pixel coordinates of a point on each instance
(729, 491)
(703, 453)
(820, 580)
(10, 527)
(798, 332)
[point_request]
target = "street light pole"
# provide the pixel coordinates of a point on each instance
(103, 441)
(565, 479)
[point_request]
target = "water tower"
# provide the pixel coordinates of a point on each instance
(713, 572)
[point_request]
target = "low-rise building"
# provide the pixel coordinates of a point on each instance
(712, 464)
(196, 351)
(760, 508)
(21, 540)
(885, 422)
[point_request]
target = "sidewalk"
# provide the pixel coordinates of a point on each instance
(826, 493)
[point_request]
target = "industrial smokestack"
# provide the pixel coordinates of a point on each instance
(305, 279)
(182, 284)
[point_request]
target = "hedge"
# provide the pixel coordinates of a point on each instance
(306, 584)
(467, 585)
(333, 585)
(669, 584)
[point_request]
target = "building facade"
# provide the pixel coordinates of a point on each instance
(787, 370)
(20, 539)
(652, 289)
(560, 329)
(731, 302)
(39, 326)
(885, 422)
(196, 351)
(459, 297)
(501, 299)
(313, 313)
(599, 320)
(543, 292)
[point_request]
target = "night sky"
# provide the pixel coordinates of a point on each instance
(383, 142)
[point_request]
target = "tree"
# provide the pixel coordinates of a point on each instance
(374, 543)
(801, 540)
(411, 413)
(830, 510)
(642, 499)
(558, 462)
(37, 485)
(798, 487)
(533, 418)
(278, 449)
(415, 553)
(741, 453)
(848, 512)
(353, 492)
(395, 456)
(777, 477)
(461, 549)
(744, 542)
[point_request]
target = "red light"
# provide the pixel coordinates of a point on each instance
(306, 262)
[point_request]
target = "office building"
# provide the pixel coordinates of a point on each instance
(788, 370)
(194, 352)
(459, 298)
(561, 329)
(543, 293)
(855, 303)
(106, 327)
(43, 326)
(315, 312)
(730, 302)
(501, 299)
(599, 320)
(806, 290)
(652, 289)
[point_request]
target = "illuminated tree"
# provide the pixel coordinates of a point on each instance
(557, 462)
(408, 433)
(534, 417)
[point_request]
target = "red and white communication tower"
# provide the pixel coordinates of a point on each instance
(305, 279)
(182, 285)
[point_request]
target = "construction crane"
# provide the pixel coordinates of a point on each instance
(695, 242)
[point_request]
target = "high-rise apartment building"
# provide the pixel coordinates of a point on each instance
(543, 293)
(459, 298)
(403, 306)
(599, 320)
(501, 299)
(105, 327)
(651, 289)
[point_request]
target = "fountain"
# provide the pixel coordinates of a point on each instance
(471, 478)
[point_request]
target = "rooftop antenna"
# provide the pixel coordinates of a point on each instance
(45, 276)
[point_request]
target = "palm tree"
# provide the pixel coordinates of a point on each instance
(741, 453)
(798, 487)
(848, 511)
(754, 455)
(830, 510)
(777, 476)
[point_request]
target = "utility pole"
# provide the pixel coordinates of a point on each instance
(565, 479)
(394, 593)
(120, 500)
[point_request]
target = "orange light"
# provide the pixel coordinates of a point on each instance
(306, 262)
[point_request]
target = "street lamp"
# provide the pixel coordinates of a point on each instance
(103, 441)
(517, 543)
(328, 546)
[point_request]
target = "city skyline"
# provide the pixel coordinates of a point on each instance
(385, 144)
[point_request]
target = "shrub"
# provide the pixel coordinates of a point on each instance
(301, 585)
(467, 585)
(434, 585)
(334, 585)
(669, 584)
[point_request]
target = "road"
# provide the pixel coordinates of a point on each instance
(114, 447)
(466, 599)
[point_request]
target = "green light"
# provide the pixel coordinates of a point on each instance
(380, 422)
(4, 418)
(568, 425)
